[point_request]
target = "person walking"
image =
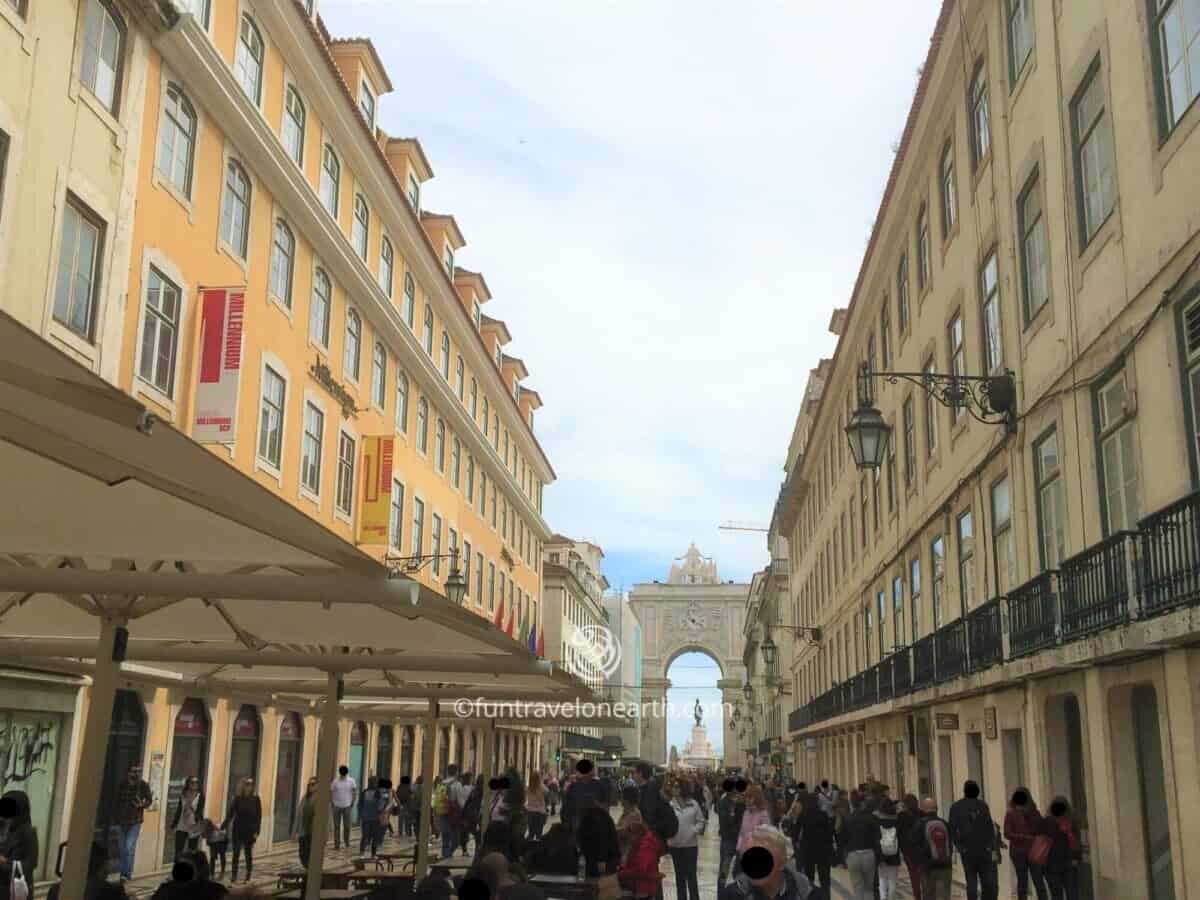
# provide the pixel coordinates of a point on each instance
(684, 847)
(303, 827)
(535, 807)
(756, 814)
(187, 821)
(889, 848)
(1022, 823)
(816, 843)
(449, 798)
(368, 814)
(974, 834)
(343, 793)
(552, 793)
(404, 795)
(1062, 862)
(825, 798)
(907, 815)
(931, 834)
(133, 797)
(18, 838)
(472, 812)
(729, 822)
(243, 822)
(383, 815)
(859, 835)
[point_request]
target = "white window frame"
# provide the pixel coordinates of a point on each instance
(366, 95)
(168, 394)
(277, 365)
(317, 402)
(339, 513)
(312, 338)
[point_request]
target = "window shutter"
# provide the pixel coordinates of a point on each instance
(1191, 327)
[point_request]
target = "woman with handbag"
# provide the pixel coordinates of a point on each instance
(187, 822)
(243, 823)
(684, 846)
(18, 844)
(1022, 825)
(1061, 853)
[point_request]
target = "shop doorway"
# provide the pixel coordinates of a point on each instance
(287, 776)
(408, 737)
(189, 758)
(383, 752)
(1014, 758)
(945, 773)
(924, 750)
(1156, 829)
(1064, 755)
(358, 762)
(975, 766)
(243, 751)
(126, 745)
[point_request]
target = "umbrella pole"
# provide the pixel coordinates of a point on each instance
(90, 770)
(326, 753)
(423, 831)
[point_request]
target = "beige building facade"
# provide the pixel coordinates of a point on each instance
(1018, 606)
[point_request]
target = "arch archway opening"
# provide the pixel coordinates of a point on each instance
(695, 715)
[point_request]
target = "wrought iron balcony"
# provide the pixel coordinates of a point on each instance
(886, 674)
(1094, 587)
(985, 643)
(924, 662)
(951, 650)
(869, 686)
(902, 674)
(1170, 547)
(1033, 615)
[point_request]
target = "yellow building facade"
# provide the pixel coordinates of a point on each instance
(1018, 607)
(161, 160)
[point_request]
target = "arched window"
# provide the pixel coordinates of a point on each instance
(103, 53)
(293, 125)
(362, 225)
(248, 61)
(474, 398)
(283, 255)
(459, 378)
(422, 424)
(485, 416)
(177, 140)
(350, 357)
(318, 325)
(379, 376)
(235, 213)
(445, 355)
(402, 402)
(428, 331)
(387, 265)
(455, 461)
(439, 445)
(410, 299)
(331, 175)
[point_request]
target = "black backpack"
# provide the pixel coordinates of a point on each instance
(666, 823)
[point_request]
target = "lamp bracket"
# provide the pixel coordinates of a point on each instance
(990, 399)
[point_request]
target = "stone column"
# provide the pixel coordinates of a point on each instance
(731, 693)
(654, 733)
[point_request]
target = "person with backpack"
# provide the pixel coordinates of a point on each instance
(729, 820)
(1022, 825)
(1062, 852)
(472, 812)
(931, 835)
(889, 848)
(448, 801)
(907, 814)
(368, 814)
(974, 834)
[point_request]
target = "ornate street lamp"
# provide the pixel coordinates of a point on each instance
(768, 651)
(748, 691)
(456, 585)
(990, 399)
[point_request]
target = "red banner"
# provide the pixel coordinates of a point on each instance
(222, 314)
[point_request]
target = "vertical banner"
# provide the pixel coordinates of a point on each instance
(221, 316)
(375, 514)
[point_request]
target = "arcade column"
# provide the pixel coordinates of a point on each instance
(654, 719)
(731, 693)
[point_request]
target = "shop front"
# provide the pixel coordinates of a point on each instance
(358, 761)
(244, 746)
(189, 759)
(287, 776)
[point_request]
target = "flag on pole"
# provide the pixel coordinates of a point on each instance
(508, 629)
(532, 645)
(499, 621)
(523, 634)
(541, 644)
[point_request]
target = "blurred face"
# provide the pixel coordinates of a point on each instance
(135, 773)
(312, 785)
(193, 784)
(763, 861)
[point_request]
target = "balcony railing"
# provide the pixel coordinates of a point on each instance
(1148, 572)
(1171, 557)
(985, 643)
(1032, 616)
(1094, 587)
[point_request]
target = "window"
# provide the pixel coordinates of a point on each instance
(902, 293)
(914, 584)
(938, 551)
(980, 133)
(446, 355)
(379, 376)
(366, 103)
(422, 425)
(491, 587)
(460, 378)
(922, 249)
(318, 325)
(331, 176)
(1118, 454)
(494, 505)
(283, 254)
(452, 535)
(396, 523)
(470, 479)
(310, 449)
(891, 477)
(439, 445)
(103, 53)
(1177, 51)
(427, 332)
(482, 494)
(1034, 265)
(293, 125)
(1051, 502)
(885, 334)
(418, 536)
(989, 288)
(270, 425)
(954, 335)
(949, 193)
(77, 289)
(177, 140)
(455, 461)
(160, 333)
(435, 543)
(387, 265)
(931, 434)
(485, 416)
(966, 560)
(474, 405)
(352, 353)
(1003, 543)
(448, 259)
(235, 213)
(402, 402)
(414, 192)
(898, 611)
(1020, 36)
(862, 490)
(476, 314)
(248, 60)
(910, 443)
(478, 571)
(361, 228)
(18, 6)
(1094, 165)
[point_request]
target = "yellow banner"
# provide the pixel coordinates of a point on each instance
(375, 510)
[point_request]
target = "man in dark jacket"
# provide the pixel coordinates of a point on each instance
(586, 787)
(729, 818)
(974, 834)
(936, 874)
(816, 843)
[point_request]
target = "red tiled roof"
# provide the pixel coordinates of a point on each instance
(374, 57)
